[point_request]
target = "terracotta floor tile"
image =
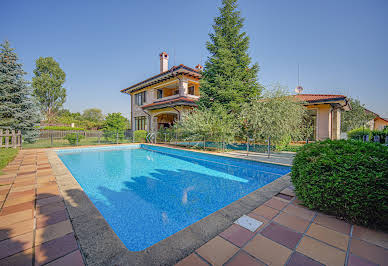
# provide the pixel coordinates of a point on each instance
(288, 191)
(243, 258)
(48, 189)
(49, 200)
(358, 261)
(19, 200)
(13, 195)
(41, 173)
(192, 260)
(321, 252)
(5, 188)
(52, 218)
(298, 259)
(2, 197)
(333, 223)
(292, 221)
(16, 208)
(265, 211)
(52, 232)
(237, 235)
(16, 217)
(375, 237)
(329, 236)
(267, 250)
(73, 259)
(16, 244)
(369, 251)
(49, 208)
(16, 229)
(45, 179)
(217, 251)
(299, 211)
(23, 188)
(276, 204)
(24, 183)
(282, 235)
(23, 258)
(54, 249)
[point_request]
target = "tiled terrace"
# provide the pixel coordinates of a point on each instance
(292, 235)
(35, 229)
(34, 225)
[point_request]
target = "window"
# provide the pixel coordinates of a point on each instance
(140, 123)
(191, 90)
(159, 94)
(140, 98)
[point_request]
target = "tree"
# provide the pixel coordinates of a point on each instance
(93, 114)
(228, 78)
(114, 126)
(48, 86)
(18, 109)
(355, 118)
(278, 116)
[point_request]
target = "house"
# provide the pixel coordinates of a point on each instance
(159, 101)
(378, 123)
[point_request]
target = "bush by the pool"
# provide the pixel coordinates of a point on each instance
(345, 178)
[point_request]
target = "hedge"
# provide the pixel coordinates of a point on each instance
(61, 128)
(140, 135)
(345, 178)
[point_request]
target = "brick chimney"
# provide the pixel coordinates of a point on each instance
(199, 67)
(163, 62)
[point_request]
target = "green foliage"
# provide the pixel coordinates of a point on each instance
(18, 109)
(48, 86)
(277, 115)
(63, 128)
(208, 124)
(356, 117)
(348, 179)
(6, 156)
(114, 126)
(72, 138)
(381, 133)
(93, 114)
(140, 135)
(358, 133)
(228, 78)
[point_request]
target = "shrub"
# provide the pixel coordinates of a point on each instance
(345, 178)
(381, 133)
(140, 135)
(72, 138)
(62, 128)
(358, 133)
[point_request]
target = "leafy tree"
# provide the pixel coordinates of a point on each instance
(216, 124)
(228, 78)
(93, 114)
(48, 86)
(18, 109)
(278, 115)
(115, 124)
(355, 118)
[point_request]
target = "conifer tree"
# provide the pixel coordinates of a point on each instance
(228, 78)
(18, 109)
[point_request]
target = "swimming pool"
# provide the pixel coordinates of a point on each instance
(147, 193)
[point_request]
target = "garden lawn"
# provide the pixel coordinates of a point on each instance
(6, 155)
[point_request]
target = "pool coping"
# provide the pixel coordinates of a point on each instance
(101, 246)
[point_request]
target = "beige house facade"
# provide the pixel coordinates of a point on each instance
(158, 101)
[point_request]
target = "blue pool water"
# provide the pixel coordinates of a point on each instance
(148, 193)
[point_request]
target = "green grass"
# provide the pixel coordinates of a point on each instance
(46, 143)
(6, 155)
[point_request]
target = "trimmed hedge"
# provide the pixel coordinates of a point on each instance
(358, 133)
(61, 128)
(140, 135)
(345, 178)
(72, 138)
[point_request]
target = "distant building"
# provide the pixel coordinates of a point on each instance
(378, 123)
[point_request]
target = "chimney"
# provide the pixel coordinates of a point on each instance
(163, 62)
(199, 67)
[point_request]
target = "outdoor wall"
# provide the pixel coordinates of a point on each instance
(379, 124)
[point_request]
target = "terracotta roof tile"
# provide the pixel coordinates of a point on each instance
(318, 97)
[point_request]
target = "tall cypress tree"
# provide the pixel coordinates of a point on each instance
(228, 78)
(18, 109)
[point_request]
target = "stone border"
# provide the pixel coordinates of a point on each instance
(101, 246)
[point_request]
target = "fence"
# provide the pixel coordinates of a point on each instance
(61, 138)
(10, 138)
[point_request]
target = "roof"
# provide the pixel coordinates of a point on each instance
(172, 72)
(310, 98)
(175, 101)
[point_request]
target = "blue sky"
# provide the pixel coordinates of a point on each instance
(105, 46)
